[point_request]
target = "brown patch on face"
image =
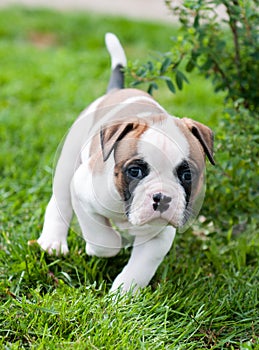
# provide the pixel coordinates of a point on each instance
(125, 152)
(129, 132)
(127, 147)
(122, 139)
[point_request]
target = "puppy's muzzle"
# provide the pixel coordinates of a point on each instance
(161, 202)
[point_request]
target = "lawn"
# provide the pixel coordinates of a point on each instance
(205, 293)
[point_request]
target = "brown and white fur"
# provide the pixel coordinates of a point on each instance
(126, 161)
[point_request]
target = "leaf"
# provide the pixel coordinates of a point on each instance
(165, 65)
(180, 78)
(190, 66)
(150, 66)
(151, 87)
(170, 85)
(135, 83)
(179, 81)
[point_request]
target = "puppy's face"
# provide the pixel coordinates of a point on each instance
(159, 169)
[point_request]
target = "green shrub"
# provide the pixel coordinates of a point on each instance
(232, 199)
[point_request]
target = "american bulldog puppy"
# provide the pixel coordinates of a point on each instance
(126, 163)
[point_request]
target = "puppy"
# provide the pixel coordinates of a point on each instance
(127, 164)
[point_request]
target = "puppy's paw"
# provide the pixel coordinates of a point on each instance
(122, 286)
(53, 247)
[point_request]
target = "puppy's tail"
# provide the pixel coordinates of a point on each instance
(118, 61)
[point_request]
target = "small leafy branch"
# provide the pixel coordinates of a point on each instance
(164, 68)
(224, 49)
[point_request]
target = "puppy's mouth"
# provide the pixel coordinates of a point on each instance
(156, 208)
(155, 215)
(136, 221)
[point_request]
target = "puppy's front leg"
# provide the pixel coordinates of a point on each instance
(58, 212)
(56, 223)
(145, 258)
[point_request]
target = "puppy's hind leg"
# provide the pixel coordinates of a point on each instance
(101, 239)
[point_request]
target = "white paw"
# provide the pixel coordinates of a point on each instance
(53, 247)
(122, 285)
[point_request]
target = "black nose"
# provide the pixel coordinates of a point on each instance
(157, 197)
(161, 202)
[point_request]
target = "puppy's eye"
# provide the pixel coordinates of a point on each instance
(184, 173)
(135, 172)
(186, 176)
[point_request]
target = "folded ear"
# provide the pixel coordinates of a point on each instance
(204, 136)
(112, 134)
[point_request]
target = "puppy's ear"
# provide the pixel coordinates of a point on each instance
(112, 134)
(204, 136)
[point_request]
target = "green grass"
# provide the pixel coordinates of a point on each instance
(205, 293)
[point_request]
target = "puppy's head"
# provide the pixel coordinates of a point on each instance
(159, 167)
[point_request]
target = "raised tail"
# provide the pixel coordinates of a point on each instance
(118, 61)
